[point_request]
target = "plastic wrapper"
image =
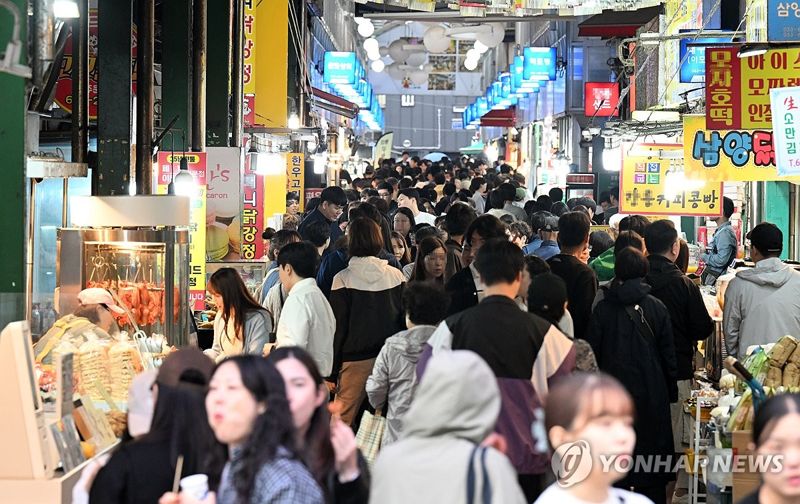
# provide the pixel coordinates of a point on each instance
(742, 413)
(93, 359)
(124, 364)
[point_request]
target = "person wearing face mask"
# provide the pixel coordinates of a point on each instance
(326, 446)
(593, 412)
(775, 434)
(248, 410)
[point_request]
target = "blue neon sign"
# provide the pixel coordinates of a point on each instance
(340, 68)
(539, 63)
(693, 68)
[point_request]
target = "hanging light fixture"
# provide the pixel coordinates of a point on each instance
(366, 28)
(183, 180)
(378, 66)
(748, 50)
(294, 121)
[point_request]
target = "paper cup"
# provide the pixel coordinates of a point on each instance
(195, 486)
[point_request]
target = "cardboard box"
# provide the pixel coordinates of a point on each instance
(744, 483)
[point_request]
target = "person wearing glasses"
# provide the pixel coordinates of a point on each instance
(95, 314)
(331, 204)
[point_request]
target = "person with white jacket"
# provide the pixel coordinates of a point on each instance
(393, 377)
(445, 434)
(762, 304)
(306, 319)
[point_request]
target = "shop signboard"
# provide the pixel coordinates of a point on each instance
(737, 90)
(63, 92)
(296, 176)
(783, 20)
(340, 68)
(249, 113)
(786, 128)
(314, 192)
(253, 215)
(693, 57)
(224, 201)
(539, 63)
(168, 166)
(249, 50)
(383, 147)
(652, 186)
(600, 99)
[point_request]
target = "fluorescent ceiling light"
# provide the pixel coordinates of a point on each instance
(66, 9)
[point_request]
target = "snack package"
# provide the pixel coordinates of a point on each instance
(782, 350)
(774, 377)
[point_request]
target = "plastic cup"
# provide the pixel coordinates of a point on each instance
(195, 486)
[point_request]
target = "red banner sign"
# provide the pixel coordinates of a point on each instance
(252, 212)
(600, 99)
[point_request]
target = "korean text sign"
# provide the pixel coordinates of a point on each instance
(539, 63)
(783, 20)
(168, 166)
(252, 212)
(649, 188)
(340, 68)
(295, 175)
(693, 57)
(786, 128)
(600, 99)
(737, 90)
(727, 155)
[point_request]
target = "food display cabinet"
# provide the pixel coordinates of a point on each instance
(146, 271)
(138, 249)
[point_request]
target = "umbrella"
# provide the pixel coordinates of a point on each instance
(435, 156)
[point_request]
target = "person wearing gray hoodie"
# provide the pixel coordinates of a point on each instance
(762, 304)
(454, 411)
(394, 375)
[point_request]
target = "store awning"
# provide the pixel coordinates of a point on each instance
(500, 118)
(333, 103)
(612, 23)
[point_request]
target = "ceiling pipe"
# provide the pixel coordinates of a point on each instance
(43, 53)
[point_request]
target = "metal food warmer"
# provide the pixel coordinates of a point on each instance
(144, 266)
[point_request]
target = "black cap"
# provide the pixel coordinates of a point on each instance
(547, 292)
(550, 223)
(767, 238)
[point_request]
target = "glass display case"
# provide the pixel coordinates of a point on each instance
(146, 271)
(252, 272)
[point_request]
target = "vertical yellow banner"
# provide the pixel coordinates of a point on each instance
(296, 176)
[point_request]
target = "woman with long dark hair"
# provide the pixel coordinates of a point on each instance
(327, 447)
(143, 469)
(403, 222)
(431, 263)
(402, 251)
(242, 326)
(248, 410)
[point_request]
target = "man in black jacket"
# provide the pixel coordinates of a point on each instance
(581, 281)
(331, 204)
(690, 320)
(465, 287)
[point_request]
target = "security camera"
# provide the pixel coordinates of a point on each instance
(587, 135)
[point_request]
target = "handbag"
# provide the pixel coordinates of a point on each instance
(486, 490)
(636, 314)
(370, 435)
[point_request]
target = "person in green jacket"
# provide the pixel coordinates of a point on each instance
(603, 265)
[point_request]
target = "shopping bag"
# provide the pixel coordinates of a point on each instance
(370, 435)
